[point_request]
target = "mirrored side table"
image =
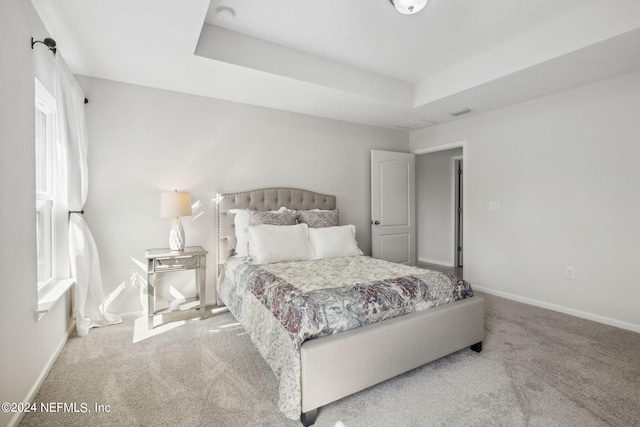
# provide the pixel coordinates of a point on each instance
(165, 261)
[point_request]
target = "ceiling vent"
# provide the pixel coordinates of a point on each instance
(460, 112)
(415, 124)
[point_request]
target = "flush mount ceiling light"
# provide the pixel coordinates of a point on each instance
(408, 7)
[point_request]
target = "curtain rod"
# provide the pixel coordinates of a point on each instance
(51, 44)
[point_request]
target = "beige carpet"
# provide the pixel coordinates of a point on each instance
(537, 368)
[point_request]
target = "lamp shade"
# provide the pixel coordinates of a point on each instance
(408, 7)
(174, 204)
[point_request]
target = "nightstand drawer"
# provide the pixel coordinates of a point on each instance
(176, 262)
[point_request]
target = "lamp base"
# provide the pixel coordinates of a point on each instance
(176, 236)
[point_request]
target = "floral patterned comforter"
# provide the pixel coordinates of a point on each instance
(282, 305)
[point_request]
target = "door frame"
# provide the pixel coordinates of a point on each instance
(465, 161)
(457, 202)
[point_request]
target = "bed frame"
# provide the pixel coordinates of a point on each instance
(342, 364)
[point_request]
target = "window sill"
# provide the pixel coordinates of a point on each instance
(51, 294)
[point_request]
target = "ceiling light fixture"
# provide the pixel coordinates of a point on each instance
(408, 7)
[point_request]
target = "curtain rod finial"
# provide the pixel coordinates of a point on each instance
(48, 42)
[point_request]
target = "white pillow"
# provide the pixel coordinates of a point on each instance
(333, 242)
(277, 243)
(241, 221)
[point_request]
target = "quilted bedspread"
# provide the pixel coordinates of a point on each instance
(282, 305)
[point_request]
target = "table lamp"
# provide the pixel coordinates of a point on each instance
(174, 204)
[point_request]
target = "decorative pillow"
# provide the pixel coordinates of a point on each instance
(278, 243)
(241, 221)
(281, 217)
(333, 242)
(319, 218)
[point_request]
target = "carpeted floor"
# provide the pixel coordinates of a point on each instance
(537, 368)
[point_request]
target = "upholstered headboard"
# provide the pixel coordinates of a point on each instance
(265, 199)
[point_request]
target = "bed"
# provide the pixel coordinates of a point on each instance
(320, 364)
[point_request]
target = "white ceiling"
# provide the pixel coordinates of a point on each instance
(355, 60)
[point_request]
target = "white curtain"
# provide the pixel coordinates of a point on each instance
(83, 252)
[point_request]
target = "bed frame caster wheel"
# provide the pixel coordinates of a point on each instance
(308, 418)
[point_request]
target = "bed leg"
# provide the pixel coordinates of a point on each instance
(477, 347)
(308, 418)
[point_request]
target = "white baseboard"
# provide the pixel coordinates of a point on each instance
(562, 309)
(15, 420)
(436, 262)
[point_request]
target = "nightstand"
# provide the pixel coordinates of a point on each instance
(165, 261)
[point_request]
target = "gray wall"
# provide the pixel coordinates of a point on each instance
(564, 169)
(144, 141)
(435, 188)
(29, 347)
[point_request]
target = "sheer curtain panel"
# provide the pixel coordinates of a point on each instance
(83, 252)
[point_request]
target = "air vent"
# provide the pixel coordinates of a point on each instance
(416, 124)
(460, 112)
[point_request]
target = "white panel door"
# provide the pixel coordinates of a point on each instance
(393, 206)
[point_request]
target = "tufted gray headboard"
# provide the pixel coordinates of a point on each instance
(264, 199)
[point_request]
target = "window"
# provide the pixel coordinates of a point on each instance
(45, 185)
(51, 211)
